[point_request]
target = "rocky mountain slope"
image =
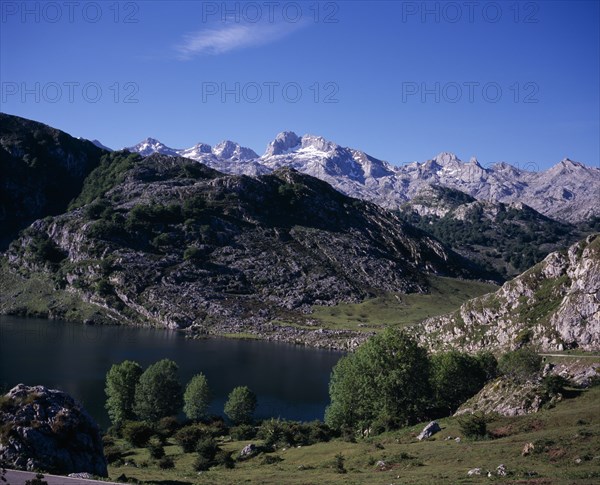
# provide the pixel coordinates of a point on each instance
(507, 238)
(568, 191)
(169, 241)
(42, 171)
(555, 305)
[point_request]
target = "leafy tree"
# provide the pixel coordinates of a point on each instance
(386, 381)
(455, 377)
(158, 393)
(197, 397)
(240, 405)
(521, 364)
(121, 381)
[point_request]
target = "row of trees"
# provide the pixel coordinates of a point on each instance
(156, 393)
(391, 381)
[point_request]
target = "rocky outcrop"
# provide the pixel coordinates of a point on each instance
(507, 398)
(429, 430)
(46, 429)
(555, 305)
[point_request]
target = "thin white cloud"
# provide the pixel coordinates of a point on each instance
(231, 37)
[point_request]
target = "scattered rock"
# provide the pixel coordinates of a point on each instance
(429, 430)
(381, 465)
(249, 451)
(46, 429)
(527, 449)
(457, 439)
(474, 471)
(501, 470)
(85, 475)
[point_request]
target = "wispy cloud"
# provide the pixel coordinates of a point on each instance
(230, 37)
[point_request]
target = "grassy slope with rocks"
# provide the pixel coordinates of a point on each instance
(170, 242)
(565, 440)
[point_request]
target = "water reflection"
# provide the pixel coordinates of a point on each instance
(290, 381)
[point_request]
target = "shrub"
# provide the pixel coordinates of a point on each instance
(473, 426)
(166, 463)
(243, 432)
(207, 448)
(112, 453)
(137, 433)
(156, 450)
(188, 437)
(167, 426)
(193, 254)
(202, 463)
(99, 209)
(339, 463)
(224, 458)
(553, 384)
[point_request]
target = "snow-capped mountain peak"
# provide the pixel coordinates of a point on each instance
(283, 142)
(152, 145)
(233, 151)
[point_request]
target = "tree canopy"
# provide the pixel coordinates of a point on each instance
(158, 393)
(121, 381)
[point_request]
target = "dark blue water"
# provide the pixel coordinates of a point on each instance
(290, 381)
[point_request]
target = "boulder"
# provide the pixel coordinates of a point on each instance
(429, 430)
(474, 471)
(249, 451)
(46, 429)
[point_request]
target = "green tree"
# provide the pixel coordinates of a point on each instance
(158, 393)
(240, 405)
(197, 397)
(455, 377)
(121, 381)
(384, 383)
(521, 364)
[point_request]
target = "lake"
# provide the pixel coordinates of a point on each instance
(290, 381)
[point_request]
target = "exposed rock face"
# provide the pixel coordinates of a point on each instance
(180, 245)
(45, 429)
(555, 305)
(507, 398)
(42, 170)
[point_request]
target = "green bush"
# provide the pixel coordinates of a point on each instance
(112, 453)
(137, 433)
(473, 426)
(167, 426)
(99, 209)
(166, 463)
(223, 458)
(156, 450)
(243, 432)
(553, 384)
(189, 436)
(193, 254)
(202, 463)
(207, 448)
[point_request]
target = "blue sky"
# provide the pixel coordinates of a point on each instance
(503, 81)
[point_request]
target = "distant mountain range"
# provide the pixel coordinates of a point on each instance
(569, 191)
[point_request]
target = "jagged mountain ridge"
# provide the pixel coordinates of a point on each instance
(554, 305)
(568, 191)
(177, 244)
